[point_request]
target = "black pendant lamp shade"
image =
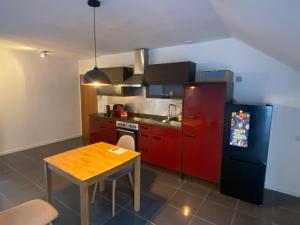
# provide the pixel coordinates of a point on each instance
(95, 76)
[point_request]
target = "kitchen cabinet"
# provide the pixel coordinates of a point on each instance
(88, 97)
(203, 115)
(164, 91)
(170, 73)
(160, 146)
(102, 129)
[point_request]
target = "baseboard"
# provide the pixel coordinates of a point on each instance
(19, 149)
(283, 190)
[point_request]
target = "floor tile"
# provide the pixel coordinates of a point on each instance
(66, 216)
(122, 198)
(200, 221)
(283, 200)
(282, 216)
(101, 211)
(69, 196)
(4, 168)
(186, 201)
(216, 196)
(171, 178)
(149, 206)
(160, 190)
(171, 216)
(25, 193)
(126, 218)
(195, 187)
(215, 213)
(242, 219)
(11, 181)
(4, 203)
(258, 211)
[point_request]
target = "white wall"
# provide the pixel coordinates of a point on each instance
(39, 100)
(265, 80)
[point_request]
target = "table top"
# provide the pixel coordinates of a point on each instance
(91, 160)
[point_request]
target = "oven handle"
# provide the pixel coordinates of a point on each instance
(127, 131)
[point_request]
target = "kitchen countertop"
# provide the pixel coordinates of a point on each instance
(143, 119)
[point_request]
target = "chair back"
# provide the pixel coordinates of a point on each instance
(126, 141)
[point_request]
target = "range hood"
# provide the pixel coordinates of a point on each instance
(141, 57)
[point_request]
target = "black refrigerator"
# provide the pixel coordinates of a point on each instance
(245, 151)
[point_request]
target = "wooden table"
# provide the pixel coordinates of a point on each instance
(89, 164)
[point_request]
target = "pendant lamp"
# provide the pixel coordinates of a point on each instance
(95, 76)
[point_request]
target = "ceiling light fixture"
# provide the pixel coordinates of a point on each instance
(188, 42)
(43, 53)
(95, 76)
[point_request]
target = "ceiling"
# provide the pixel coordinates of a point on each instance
(65, 26)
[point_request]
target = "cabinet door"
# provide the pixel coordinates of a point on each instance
(157, 149)
(145, 146)
(204, 106)
(170, 156)
(102, 129)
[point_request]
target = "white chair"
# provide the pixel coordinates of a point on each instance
(127, 142)
(34, 212)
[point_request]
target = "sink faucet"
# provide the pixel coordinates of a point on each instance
(174, 111)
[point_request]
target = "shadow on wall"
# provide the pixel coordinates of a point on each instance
(12, 100)
(284, 150)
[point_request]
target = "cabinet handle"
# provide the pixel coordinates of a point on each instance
(190, 136)
(157, 138)
(191, 117)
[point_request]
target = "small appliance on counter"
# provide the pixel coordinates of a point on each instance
(119, 110)
(245, 150)
(107, 110)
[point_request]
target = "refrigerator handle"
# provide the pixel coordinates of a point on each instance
(247, 161)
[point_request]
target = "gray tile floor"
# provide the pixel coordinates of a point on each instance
(165, 199)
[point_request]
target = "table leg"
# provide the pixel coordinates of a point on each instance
(137, 184)
(48, 177)
(101, 185)
(84, 204)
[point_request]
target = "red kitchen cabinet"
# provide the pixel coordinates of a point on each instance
(204, 105)
(145, 146)
(160, 146)
(102, 129)
(171, 159)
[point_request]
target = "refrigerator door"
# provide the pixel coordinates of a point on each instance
(244, 180)
(258, 134)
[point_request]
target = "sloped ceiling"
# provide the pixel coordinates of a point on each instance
(65, 26)
(272, 26)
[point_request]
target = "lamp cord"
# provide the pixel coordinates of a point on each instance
(95, 43)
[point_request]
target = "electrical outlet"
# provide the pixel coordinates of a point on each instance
(239, 79)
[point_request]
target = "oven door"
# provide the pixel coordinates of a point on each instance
(134, 134)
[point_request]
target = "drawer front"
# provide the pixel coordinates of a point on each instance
(145, 139)
(145, 128)
(171, 132)
(156, 130)
(108, 123)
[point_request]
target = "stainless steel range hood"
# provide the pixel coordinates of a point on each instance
(141, 58)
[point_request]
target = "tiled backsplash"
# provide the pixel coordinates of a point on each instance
(141, 104)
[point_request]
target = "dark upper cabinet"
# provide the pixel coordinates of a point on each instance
(173, 91)
(170, 73)
(117, 74)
